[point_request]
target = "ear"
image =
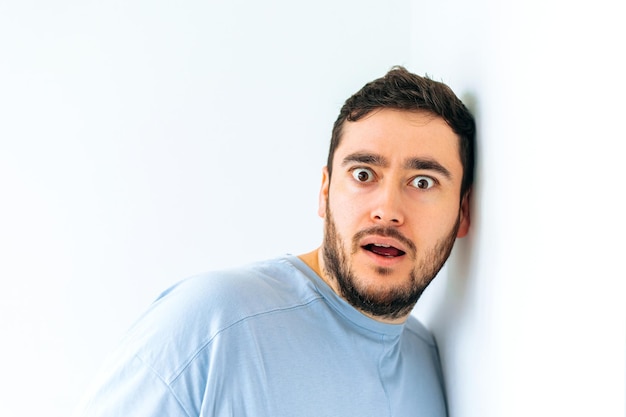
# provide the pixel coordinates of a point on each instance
(323, 197)
(464, 215)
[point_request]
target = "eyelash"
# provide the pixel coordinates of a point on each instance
(433, 182)
(354, 172)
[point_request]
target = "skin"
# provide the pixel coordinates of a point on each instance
(394, 169)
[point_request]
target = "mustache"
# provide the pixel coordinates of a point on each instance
(384, 232)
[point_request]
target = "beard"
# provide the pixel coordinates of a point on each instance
(387, 303)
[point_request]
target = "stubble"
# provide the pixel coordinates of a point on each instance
(382, 302)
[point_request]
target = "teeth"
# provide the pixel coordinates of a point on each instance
(382, 245)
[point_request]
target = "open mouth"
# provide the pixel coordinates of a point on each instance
(387, 251)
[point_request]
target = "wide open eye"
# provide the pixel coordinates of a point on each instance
(422, 182)
(363, 174)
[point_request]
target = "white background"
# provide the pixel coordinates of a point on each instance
(142, 142)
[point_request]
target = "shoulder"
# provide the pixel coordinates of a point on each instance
(243, 291)
(416, 331)
(187, 317)
(195, 325)
(421, 348)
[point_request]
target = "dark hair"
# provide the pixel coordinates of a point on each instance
(400, 89)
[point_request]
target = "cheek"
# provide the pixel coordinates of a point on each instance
(346, 213)
(432, 224)
(345, 222)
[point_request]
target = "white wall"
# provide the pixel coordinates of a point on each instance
(532, 315)
(141, 142)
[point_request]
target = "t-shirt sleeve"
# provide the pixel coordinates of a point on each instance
(130, 389)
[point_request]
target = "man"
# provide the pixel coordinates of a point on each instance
(328, 333)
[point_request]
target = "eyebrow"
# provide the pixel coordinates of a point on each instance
(427, 165)
(418, 164)
(365, 158)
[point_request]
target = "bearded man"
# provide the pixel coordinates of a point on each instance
(327, 333)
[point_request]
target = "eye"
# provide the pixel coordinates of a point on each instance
(363, 174)
(422, 182)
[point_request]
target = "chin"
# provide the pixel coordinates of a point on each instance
(385, 283)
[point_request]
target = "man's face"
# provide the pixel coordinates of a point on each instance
(392, 210)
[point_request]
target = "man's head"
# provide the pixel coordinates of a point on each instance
(402, 90)
(401, 158)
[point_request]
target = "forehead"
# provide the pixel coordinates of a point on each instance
(401, 134)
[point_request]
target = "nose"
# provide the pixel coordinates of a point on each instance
(388, 207)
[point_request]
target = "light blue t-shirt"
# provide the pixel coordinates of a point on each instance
(270, 339)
